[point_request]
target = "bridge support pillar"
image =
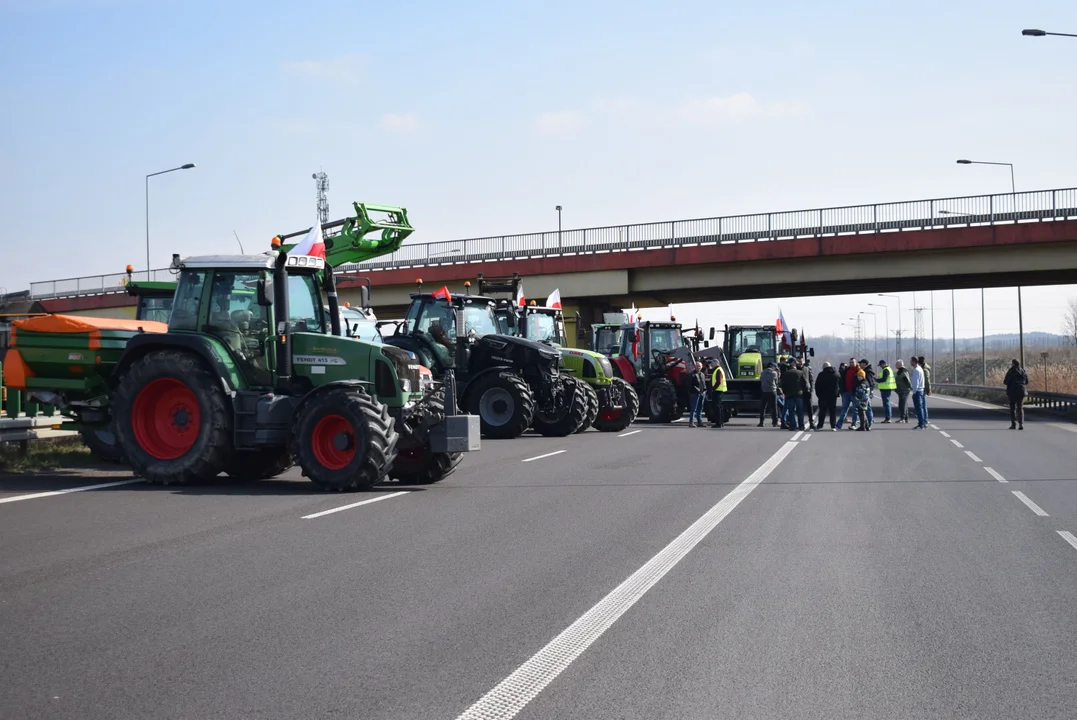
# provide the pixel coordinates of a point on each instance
(590, 312)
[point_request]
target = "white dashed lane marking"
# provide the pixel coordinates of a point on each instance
(973, 456)
(539, 457)
(1031, 505)
(995, 474)
(354, 505)
(1068, 537)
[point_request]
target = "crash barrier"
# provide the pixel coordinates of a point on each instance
(1055, 403)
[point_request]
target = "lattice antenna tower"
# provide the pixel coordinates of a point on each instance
(918, 331)
(858, 339)
(322, 182)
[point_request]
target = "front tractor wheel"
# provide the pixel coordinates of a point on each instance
(344, 440)
(172, 419)
(610, 420)
(103, 444)
(504, 404)
(416, 463)
(662, 401)
(592, 405)
(569, 415)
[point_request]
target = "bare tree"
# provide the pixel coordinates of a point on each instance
(1069, 323)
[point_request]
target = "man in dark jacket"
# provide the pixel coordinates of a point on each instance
(904, 389)
(795, 389)
(1016, 382)
(697, 388)
(769, 401)
(828, 389)
(848, 385)
(809, 406)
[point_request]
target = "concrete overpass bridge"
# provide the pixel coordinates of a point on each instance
(1027, 238)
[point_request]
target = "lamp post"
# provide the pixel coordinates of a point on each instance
(558, 209)
(953, 329)
(1041, 33)
(1044, 356)
(897, 342)
(1013, 192)
(983, 340)
(886, 323)
(874, 331)
(188, 166)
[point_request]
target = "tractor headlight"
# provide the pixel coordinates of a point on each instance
(606, 365)
(405, 385)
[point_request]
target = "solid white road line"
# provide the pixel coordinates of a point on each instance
(513, 693)
(971, 455)
(797, 436)
(1031, 505)
(944, 433)
(934, 426)
(17, 498)
(1064, 426)
(1068, 537)
(971, 403)
(955, 442)
(629, 433)
(354, 505)
(994, 473)
(549, 454)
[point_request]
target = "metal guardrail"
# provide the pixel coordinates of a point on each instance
(25, 428)
(1057, 402)
(1037, 205)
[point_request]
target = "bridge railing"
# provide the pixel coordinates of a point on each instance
(1036, 205)
(1059, 403)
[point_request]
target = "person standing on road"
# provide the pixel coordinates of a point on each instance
(862, 400)
(718, 389)
(887, 384)
(795, 388)
(869, 376)
(769, 385)
(809, 408)
(827, 389)
(1016, 382)
(927, 383)
(904, 388)
(918, 393)
(697, 387)
(848, 386)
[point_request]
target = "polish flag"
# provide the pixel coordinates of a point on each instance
(520, 295)
(312, 244)
(554, 301)
(443, 293)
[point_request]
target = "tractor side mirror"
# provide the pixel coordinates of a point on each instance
(265, 291)
(711, 335)
(364, 297)
(706, 344)
(811, 351)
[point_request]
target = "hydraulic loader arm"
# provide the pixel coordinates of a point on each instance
(350, 244)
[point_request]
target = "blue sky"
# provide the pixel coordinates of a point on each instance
(481, 116)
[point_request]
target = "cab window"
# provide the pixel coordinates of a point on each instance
(304, 304)
(188, 300)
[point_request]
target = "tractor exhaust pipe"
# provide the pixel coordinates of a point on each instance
(334, 305)
(284, 328)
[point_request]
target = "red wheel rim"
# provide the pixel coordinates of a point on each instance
(333, 442)
(609, 415)
(166, 419)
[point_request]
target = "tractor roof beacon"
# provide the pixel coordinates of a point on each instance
(510, 383)
(245, 379)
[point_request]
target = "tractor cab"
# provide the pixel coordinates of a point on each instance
(543, 324)
(358, 323)
(750, 349)
(154, 297)
(654, 359)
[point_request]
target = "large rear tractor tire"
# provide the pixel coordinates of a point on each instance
(504, 404)
(103, 444)
(569, 416)
(661, 397)
(344, 440)
(172, 419)
(592, 405)
(259, 464)
(617, 420)
(415, 463)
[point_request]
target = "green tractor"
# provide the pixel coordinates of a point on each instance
(512, 384)
(612, 403)
(251, 376)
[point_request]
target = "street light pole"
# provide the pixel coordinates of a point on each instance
(897, 342)
(188, 166)
(886, 321)
(983, 340)
(1013, 193)
(874, 331)
(953, 338)
(558, 209)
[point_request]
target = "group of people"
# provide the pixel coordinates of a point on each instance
(788, 388)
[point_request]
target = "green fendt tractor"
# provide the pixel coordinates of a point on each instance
(510, 383)
(245, 379)
(612, 403)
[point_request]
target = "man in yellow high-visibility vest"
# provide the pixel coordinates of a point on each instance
(718, 389)
(887, 383)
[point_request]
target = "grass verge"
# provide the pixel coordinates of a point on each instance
(47, 454)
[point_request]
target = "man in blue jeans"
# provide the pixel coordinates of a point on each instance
(697, 386)
(918, 394)
(887, 384)
(848, 385)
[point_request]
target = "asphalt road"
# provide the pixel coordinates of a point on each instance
(669, 573)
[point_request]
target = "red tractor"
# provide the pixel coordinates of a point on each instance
(655, 360)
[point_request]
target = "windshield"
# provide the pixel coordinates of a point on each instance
(607, 340)
(356, 324)
(158, 309)
(436, 316)
(666, 339)
(304, 304)
(754, 340)
(543, 328)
